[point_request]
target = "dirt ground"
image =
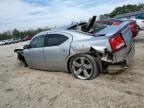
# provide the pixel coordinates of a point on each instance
(22, 87)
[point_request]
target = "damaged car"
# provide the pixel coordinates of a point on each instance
(84, 50)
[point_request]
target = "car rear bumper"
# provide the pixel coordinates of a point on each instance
(123, 55)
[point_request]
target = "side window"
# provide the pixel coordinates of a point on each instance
(38, 42)
(56, 39)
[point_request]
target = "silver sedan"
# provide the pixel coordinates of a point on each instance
(83, 54)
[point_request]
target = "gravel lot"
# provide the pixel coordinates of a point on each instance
(22, 87)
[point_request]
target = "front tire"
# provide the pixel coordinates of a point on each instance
(84, 66)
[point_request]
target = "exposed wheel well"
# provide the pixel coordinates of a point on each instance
(21, 58)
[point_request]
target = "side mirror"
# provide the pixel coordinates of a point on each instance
(26, 47)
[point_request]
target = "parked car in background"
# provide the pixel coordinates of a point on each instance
(2, 42)
(83, 49)
(140, 22)
(16, 40)
(132, 24)
(27, 38)
(8, 41)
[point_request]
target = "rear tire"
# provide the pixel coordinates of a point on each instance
(84, 66)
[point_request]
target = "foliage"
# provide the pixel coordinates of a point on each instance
(16, 34)
(103, 17)
(124, 9)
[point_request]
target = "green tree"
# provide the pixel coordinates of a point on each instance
(16, 33)
(126, 9)
(103, 17)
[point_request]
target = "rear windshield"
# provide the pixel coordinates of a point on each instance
(81, 28)
(97, 27)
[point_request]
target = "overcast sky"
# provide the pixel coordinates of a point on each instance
(27, 14)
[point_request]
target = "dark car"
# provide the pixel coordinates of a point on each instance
(27, 38)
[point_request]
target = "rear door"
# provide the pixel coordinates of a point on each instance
(57, 50)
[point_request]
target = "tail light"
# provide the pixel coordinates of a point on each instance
(116, 42)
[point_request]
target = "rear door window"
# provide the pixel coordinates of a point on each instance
(56, 39)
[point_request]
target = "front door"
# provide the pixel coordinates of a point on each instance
(35, 54)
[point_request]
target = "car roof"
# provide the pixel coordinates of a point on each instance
(76, 35)
(67, 27)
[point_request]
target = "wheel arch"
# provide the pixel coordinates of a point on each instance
(21, 58)
(92, 53)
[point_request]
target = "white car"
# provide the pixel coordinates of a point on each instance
(140, 22)
(2, 42)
